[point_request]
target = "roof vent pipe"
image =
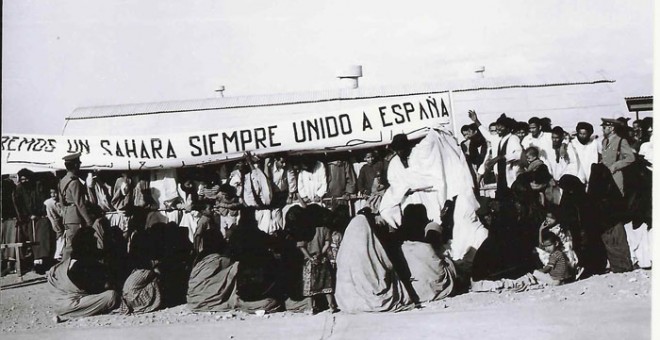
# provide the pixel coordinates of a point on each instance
(349, 76)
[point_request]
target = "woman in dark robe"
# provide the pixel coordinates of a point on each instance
(257, 284)
(609, 208)
(577, 214)
(81, 283)
(173, 254)
(508, 252)
(212, 282)
(246, 281)
(292, 260)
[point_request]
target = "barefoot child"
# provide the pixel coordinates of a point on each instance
(557, 271)
(551, 224)
(317, 272)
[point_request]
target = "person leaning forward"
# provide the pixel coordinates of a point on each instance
(72, 192)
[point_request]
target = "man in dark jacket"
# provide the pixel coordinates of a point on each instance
(72, 192)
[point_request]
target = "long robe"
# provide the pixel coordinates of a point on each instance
(543, 142)
(432, 277)
(75, 302)
(29, 201)
(314, 183)
(436, 161)
(586, 155)
(212, 287)
(256, 192)
(141, 292)
(566, 165)
(366, 280)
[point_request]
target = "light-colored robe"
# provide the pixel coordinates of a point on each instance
(586, 156)
(366, 279)
(314, 183)
(543, 142)
(512, 153)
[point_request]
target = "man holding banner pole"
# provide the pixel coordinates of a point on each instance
(74, 212)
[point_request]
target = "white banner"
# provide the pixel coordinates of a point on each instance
(355, 128)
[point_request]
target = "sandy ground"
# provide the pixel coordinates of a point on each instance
(612, 306)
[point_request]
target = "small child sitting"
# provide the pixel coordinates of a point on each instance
(557, 271)
(551, 224)
(532, 157)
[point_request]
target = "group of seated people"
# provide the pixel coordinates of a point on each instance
(612, 170)
(322, 259)
(32, 208)
(279, 233)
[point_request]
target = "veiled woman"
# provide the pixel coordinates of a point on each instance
(508, 252)
(366, 279)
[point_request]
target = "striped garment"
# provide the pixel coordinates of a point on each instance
(559, 263)
(209, 193)
(141, 293)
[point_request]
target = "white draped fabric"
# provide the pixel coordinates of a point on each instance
(436, 162)
(586, 155)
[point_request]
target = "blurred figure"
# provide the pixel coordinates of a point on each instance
(33, 224)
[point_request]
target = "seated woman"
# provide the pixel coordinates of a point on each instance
(142, 292)
(213, 277)
(366, 279)
(508, 252)
(216, 284)
(432, 274)
(81, 282)
(256, 282)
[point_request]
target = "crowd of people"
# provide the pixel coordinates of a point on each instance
(383, 229)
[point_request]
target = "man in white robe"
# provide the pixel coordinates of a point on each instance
(402, 180)
(587, 150)
(507, 152)
(256, 192)
(312, 181)
(536, 137)
(563, 159)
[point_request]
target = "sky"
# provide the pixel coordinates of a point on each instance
(60, 55)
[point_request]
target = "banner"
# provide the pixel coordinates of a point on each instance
(360, 127)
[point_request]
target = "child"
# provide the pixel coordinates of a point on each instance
(317, 273)
(551, 225)
(227, 207)
(368, 172)
(207, 239)
(532, 157)
(557, 270)
(54, 213)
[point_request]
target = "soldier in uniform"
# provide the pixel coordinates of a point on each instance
(74, 211)
(616, 155)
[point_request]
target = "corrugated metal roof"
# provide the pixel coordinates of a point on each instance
(465, 85)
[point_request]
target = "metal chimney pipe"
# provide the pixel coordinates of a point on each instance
(349, 76)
